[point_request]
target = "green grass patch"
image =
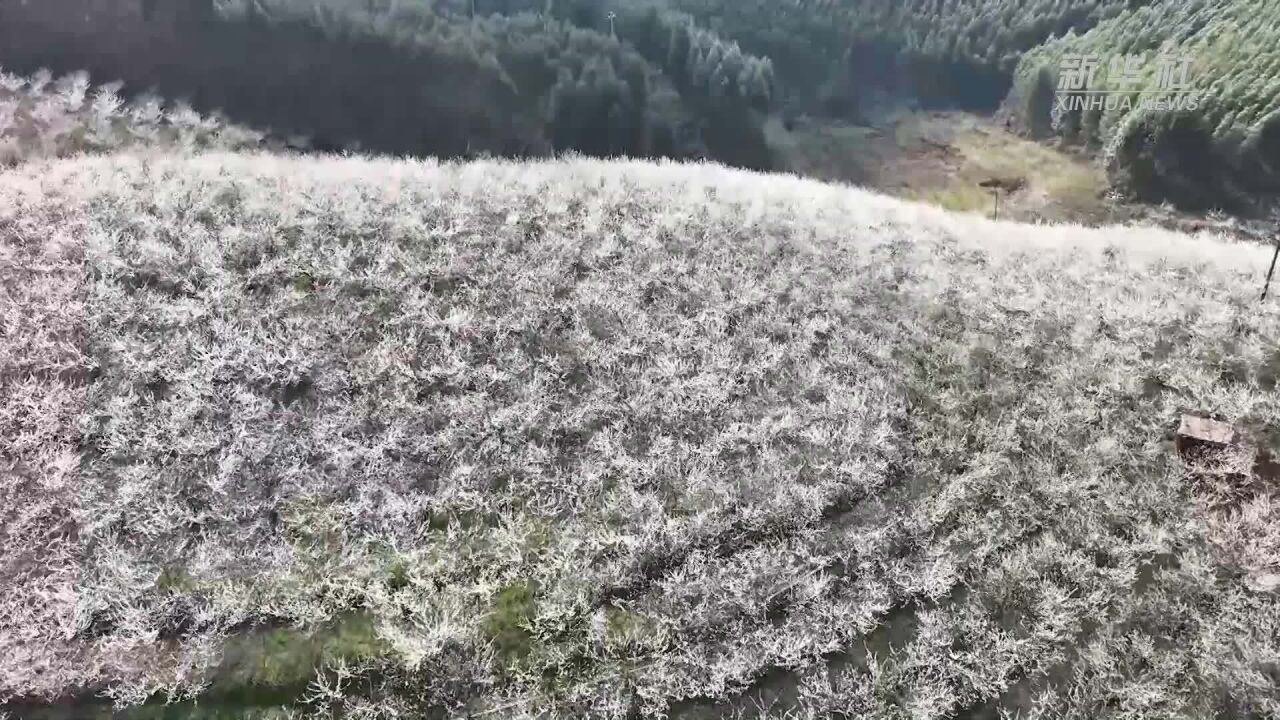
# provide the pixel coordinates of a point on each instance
(281, 661)
(507, 625)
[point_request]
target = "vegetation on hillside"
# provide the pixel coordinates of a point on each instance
(1225, 150)
(585, 439)
(403, 77)
(984, 32)
(959, 52)
(42, 116)
(374, 438)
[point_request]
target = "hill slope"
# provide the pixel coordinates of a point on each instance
(597, 439)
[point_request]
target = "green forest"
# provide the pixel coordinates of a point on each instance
(686, 78)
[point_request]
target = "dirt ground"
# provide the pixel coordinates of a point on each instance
(944, 158)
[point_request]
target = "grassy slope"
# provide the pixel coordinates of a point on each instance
(585, 437)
